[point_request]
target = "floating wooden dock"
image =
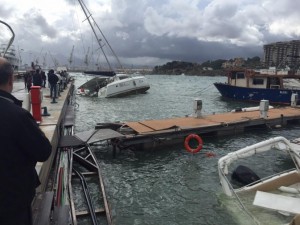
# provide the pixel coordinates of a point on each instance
(154, 133)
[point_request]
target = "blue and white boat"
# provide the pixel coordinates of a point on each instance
(274, 85)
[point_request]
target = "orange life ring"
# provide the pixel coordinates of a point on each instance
(187, 143)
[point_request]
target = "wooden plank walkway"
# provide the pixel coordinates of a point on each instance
(275, 115)
(149, 134)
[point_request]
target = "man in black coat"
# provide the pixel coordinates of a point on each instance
(37, 79)
(53, 79)
(23, 144)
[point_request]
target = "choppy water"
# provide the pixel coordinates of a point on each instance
(167, 186)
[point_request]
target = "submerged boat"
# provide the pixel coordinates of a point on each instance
(108, 73)
(111, 84)
(274, 85)
(116, 86)
(268, 194)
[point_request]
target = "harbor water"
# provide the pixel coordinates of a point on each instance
(168, 186)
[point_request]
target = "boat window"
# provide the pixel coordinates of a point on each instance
(238, 75)
(258, 81)
(274, 86)
(123, 77)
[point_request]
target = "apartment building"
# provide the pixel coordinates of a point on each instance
(281, 54)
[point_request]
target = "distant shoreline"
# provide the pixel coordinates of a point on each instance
(191, 73)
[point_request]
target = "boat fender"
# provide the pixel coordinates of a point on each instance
(187, 141)
(238, 110)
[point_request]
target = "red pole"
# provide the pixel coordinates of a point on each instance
(36, 102)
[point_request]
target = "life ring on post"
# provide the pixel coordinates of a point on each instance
(187, 143)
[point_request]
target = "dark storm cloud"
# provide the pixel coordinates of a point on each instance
(133, 39)
(39, 24)
(155, 31)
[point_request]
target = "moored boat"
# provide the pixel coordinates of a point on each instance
(274, 85)
(10, 55)
(8, 51)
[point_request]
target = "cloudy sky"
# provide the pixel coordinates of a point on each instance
(149, 32)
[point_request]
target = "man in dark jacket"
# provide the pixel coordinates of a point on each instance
(37, 79)
(23, 144)
(52, 79)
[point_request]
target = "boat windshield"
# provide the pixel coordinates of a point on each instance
(122, 77)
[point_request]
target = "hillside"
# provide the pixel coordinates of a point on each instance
(208, 68)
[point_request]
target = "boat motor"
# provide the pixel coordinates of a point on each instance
(244, 175)
(263, 108)
(197, 108)
(294, 99)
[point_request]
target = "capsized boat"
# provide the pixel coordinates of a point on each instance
(116, 86)
(111, 85)
(274, 85)
(108, 73)
(267, 195)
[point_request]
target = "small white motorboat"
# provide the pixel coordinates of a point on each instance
(268, 196)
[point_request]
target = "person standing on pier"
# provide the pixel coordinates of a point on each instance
(53, 79)
(44, 78)
(23, 144)
(37, 79)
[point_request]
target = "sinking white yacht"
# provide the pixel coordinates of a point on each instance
(268, 196)
(109, 84)
(116, 86)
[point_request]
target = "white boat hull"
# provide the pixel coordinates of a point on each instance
(130, 85)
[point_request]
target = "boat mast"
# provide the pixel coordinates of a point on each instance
(71, 56)
(54, 61)
(86, 60)
(88, 16)
(11, 39)
(20, 58)
(44, 60)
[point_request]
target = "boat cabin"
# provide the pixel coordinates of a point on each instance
(266, 79)
(118, 77)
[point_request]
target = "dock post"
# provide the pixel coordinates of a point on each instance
(263, 108)
(197, 108)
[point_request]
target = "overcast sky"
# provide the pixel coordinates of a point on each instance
(150, 32)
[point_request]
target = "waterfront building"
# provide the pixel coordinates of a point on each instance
(281, 54)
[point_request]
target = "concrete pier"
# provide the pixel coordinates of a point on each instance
(52, 126)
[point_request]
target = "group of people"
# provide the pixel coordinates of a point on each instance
(23, 144)
(37, 77)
